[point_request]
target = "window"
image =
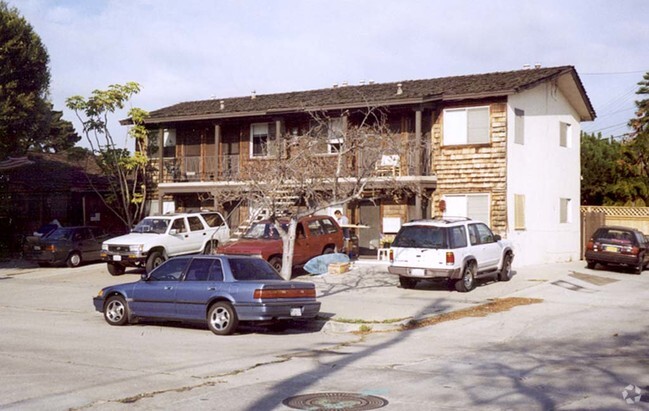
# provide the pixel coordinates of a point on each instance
(565, 133)
(466, 126)
(195, 224)
(315, 228)
(203, 269)
(169, 142)
(473, 206)
(199, 270)
(262, 140)
(335, 135)
(565, 215)
(458, 237)
(213, 219)
(519, 126)
(170, 270)
(482, 234)
(329, 226)
(519, 212)
(179, 225)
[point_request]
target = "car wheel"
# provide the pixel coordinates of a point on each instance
(116, 310)
(467, 282)
(116, 269)
(505, 274)
(222, 319)
(74, 259)
(407, 283)
(591, 265)
(155, 259)
(211, 247)
(276, 262)
(640, 266)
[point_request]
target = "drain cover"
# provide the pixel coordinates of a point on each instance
(335, 401)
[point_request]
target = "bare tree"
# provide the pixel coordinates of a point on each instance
(336, 161)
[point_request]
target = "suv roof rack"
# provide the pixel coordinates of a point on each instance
(451, 219)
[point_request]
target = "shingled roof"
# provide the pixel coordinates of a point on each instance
(384, 94)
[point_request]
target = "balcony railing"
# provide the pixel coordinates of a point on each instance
(195, 168)
(228, 167)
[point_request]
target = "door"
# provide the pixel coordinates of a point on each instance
(203, 280)
(85, 242)
(178, 242)
(156, 297)
(197, 234)
(485, 247)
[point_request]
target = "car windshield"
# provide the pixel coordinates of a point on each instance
(421, 237)
(263, 231)
(616, 236)
(152, 225)
(61, 234)
(252, 269)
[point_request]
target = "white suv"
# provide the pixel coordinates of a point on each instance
(458, 249)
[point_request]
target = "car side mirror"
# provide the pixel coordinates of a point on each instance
(144, 277)
(497, 237)
(173, 231)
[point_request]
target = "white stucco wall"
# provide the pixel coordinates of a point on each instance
(544, 172)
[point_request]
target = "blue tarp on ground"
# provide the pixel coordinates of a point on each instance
(320, 264)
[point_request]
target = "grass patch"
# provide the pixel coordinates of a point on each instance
(495, 306)
(359, 321)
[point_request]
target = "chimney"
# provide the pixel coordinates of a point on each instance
(222, 104)
(537, 65)
(399, 89)
(335, 85)
(362, 82)
(253, 95)
(526, 67)
(345, 84)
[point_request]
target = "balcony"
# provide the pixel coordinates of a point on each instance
(206, 168)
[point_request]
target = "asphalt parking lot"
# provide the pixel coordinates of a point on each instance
(580, 348)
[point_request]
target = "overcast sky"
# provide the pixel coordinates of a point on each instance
(183, 50)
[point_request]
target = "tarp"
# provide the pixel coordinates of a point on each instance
(320, 264)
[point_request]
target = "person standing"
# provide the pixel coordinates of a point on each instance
(342, 221)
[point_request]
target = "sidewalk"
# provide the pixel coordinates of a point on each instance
(368, 296)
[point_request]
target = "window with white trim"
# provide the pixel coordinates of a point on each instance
(262, 140)
(329, 135)
(473, 206)
(565, 212)
(519, 126)
(565, 134)
(468, 125)
(519, 212)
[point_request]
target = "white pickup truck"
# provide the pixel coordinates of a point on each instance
(156, 238)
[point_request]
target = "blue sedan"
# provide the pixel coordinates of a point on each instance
(218, 289)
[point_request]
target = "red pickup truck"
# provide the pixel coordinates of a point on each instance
(315, 235)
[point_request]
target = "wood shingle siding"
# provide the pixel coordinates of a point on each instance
(475, 169)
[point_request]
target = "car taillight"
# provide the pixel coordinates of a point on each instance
(51, 248)
(590, 245)
(391, 254)
(261, 293)
(635, 251)
(450, 258)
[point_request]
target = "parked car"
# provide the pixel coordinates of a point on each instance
(67, 245)
(315, 235)
(617, 246)
(215, 289)
(157, 238)
(460, 250)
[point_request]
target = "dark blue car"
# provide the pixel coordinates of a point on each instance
(218, 289)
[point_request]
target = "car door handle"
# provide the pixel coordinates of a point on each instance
(211, 288)
(168, 287)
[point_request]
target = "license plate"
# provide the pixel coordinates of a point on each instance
(417, 272)
(37, 248)
(611, 249)
(296, 312)
(117, 258)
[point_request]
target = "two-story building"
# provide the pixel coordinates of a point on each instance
(499, 147)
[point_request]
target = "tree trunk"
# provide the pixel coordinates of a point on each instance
(288, 243)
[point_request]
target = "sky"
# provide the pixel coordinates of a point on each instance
(186, 50)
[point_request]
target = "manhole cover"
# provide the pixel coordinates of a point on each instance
(335, 401)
